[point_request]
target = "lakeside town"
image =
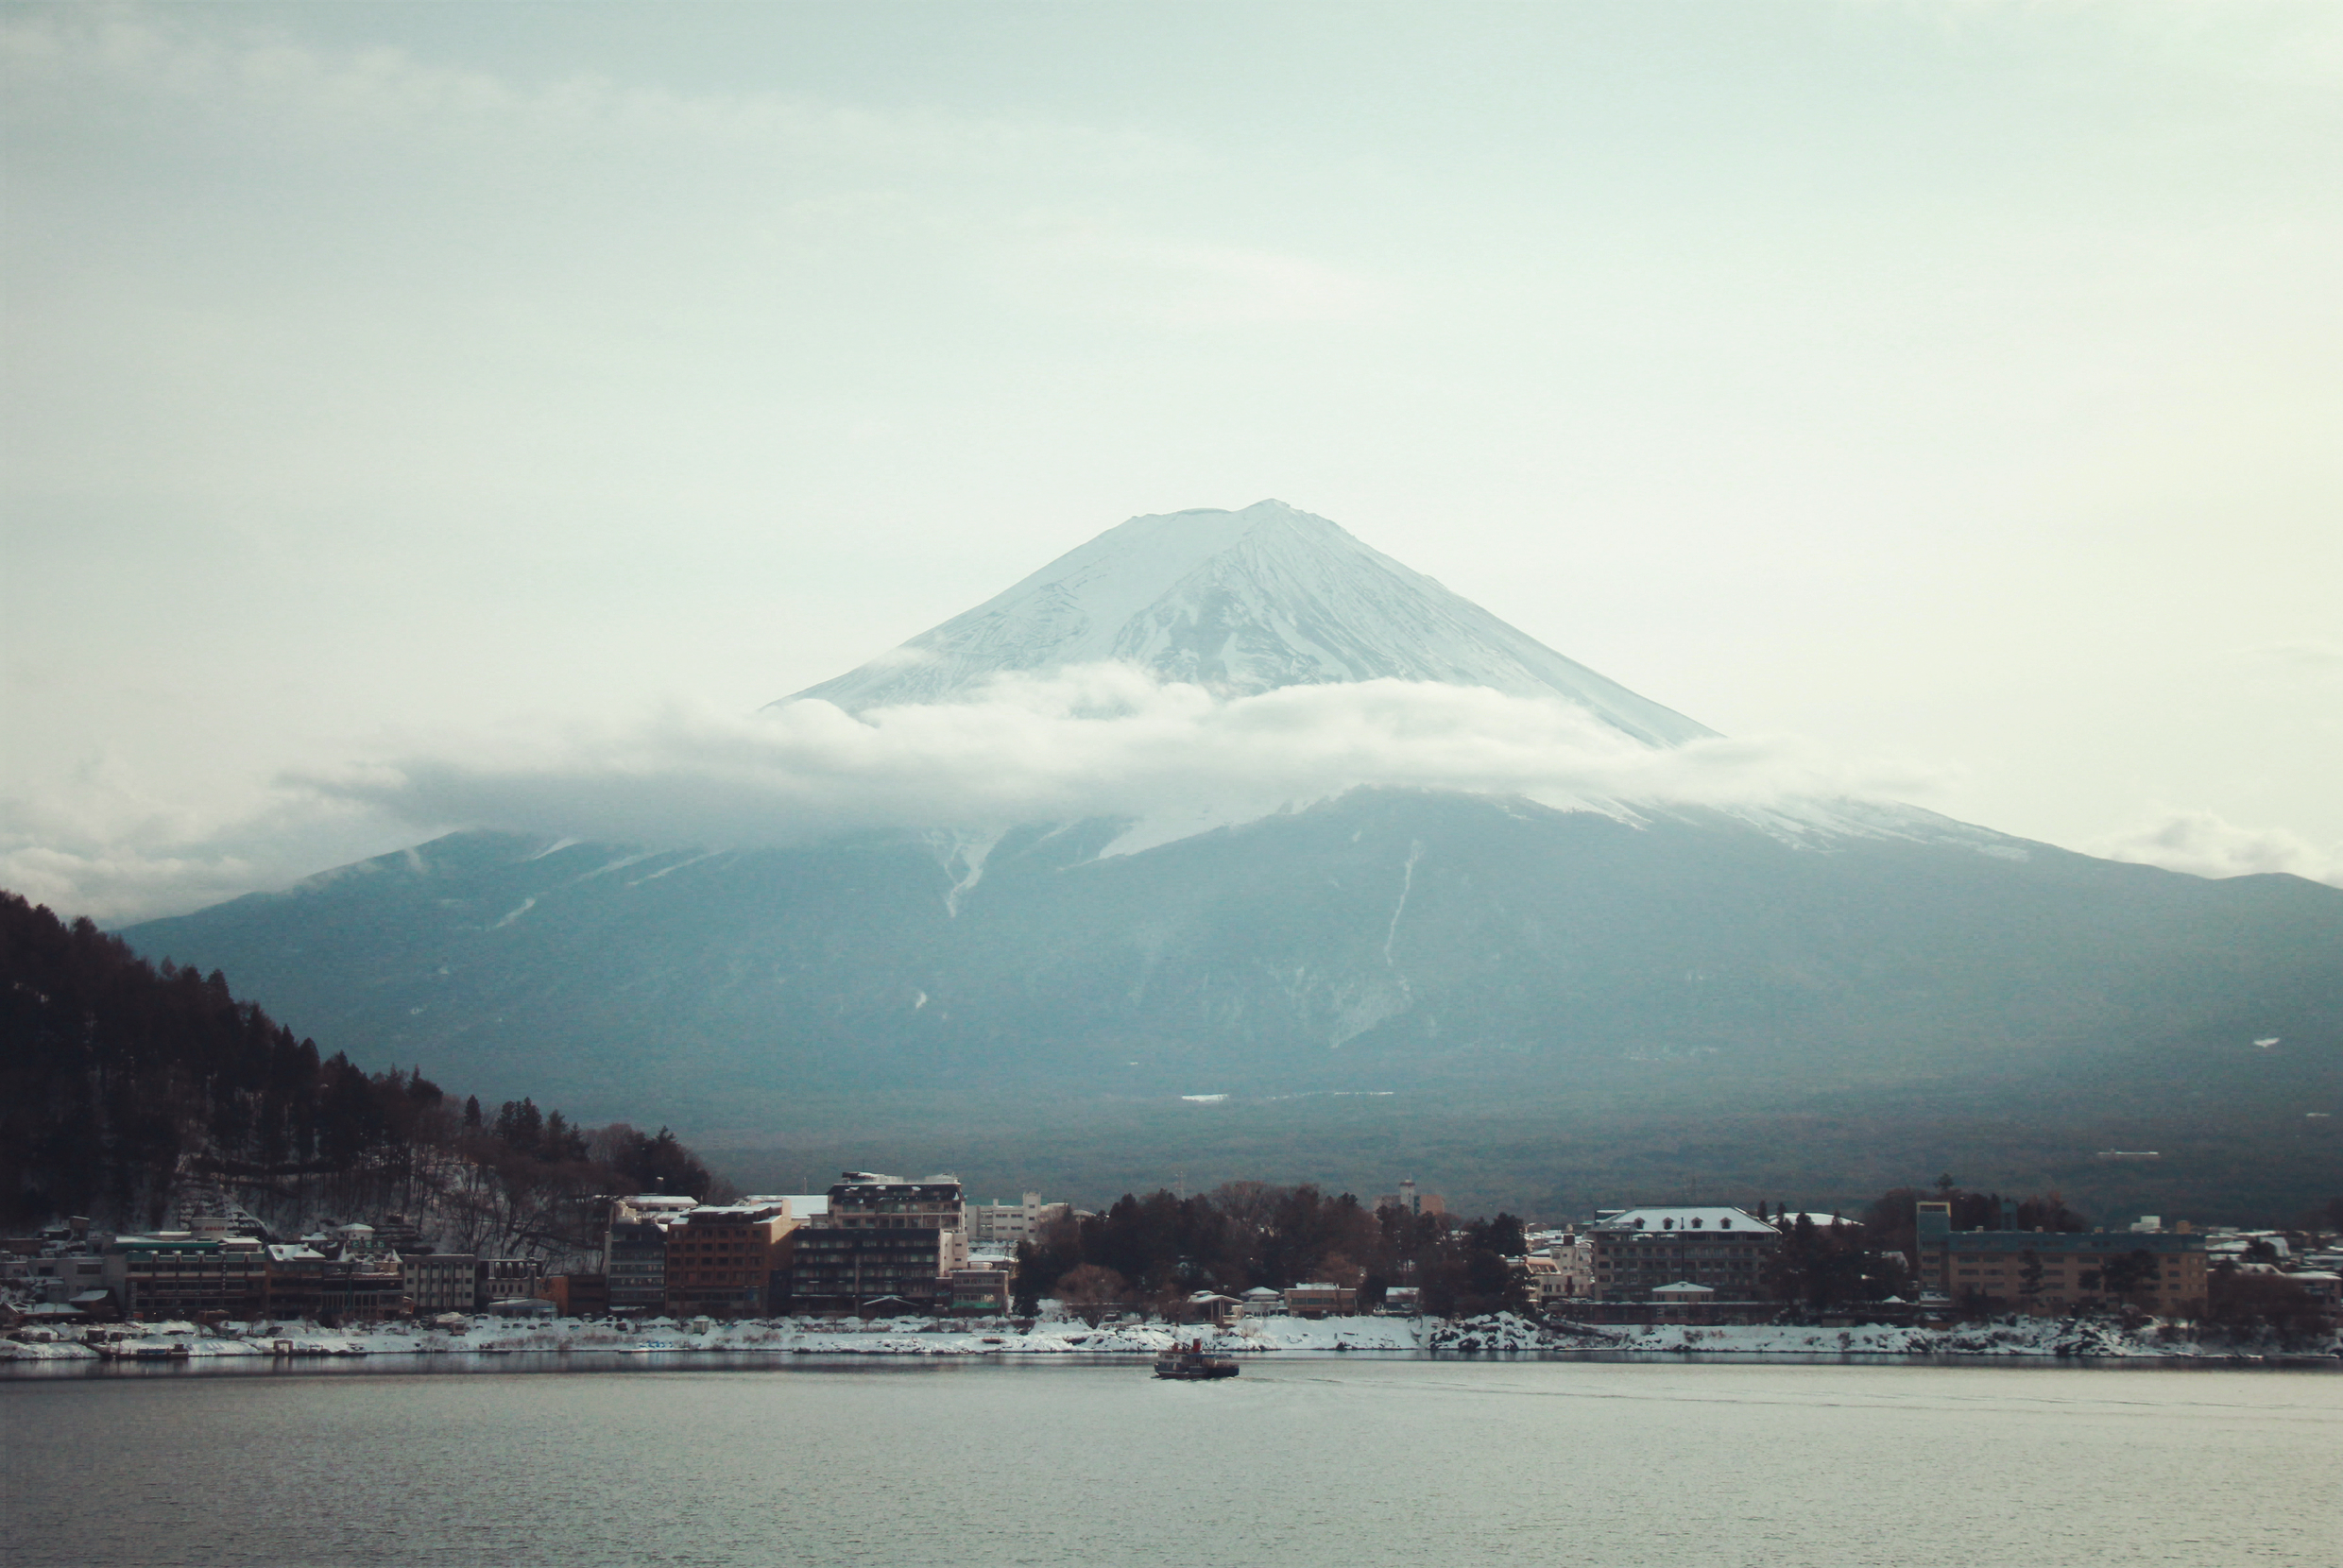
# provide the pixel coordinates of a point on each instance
(879, 1264)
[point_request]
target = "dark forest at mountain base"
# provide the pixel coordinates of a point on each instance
(128, 1091)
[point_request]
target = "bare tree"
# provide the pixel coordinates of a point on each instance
(1090, 1293)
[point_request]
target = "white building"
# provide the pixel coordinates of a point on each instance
(805, 1209)
(1561, 1266)
(1004, 1226)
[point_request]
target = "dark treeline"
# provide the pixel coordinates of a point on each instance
(1830, 1267)
(124, 1088)
(1892, 1216)
(1152, 1252)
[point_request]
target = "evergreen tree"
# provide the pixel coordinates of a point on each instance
(121, 1081)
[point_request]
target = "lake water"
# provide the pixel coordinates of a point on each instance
(1335, 1460)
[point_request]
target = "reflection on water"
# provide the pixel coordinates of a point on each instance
(1335, 1460)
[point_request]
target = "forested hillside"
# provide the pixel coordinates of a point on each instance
(128, 1090)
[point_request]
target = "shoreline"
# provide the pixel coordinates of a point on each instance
(488, 1344)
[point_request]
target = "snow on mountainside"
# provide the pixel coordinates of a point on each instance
(1239, 602)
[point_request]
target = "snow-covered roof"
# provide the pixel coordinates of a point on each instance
(1682, 1288)
(1717, 1219)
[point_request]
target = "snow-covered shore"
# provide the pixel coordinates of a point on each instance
(490, 1337)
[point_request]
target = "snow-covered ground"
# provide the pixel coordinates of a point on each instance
(1067, 1336)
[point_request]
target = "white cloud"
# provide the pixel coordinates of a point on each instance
(197, 68)
(2308, 655)
(108, 849)
(2204, 845)
(1101, 741)
(1175, 284)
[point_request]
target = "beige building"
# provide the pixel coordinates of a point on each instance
(981, 1289)
(1321, 1300)
(2055, 1272)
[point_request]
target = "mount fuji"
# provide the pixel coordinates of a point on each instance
(1239, 602)
(1551, 1005)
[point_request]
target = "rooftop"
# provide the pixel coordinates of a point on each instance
(1717, 1219)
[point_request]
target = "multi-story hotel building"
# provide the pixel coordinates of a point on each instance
(722, 1259)
(1004, 1226)
(306, 1282)
(440, 1282)
(1638, 1251)
(634, 1250)
(884, 1240)
(179, 1274)
(2047, 1271)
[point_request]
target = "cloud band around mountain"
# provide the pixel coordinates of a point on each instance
(1100, 740)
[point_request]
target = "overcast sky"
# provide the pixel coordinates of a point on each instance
(1952, 390)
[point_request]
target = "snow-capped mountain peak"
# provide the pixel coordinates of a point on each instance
(1239, 602)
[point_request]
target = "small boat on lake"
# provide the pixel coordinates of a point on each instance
(1192, 1364)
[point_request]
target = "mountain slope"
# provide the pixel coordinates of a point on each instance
(1634, 978)
(1239, 602)
(1386, 941)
